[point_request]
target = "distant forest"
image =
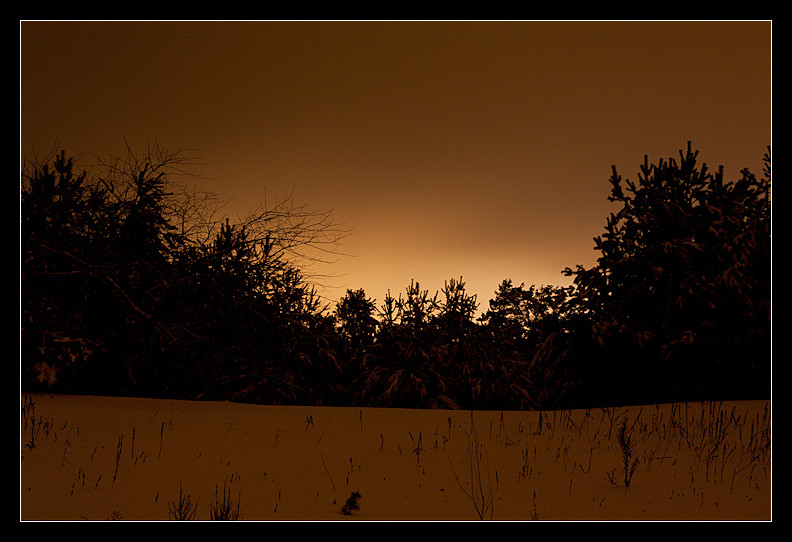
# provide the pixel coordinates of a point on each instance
(130, 285)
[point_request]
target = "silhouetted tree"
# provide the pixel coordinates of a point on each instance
(456, 310)
(407, 366)
(130, 285)
(416, 310)
(475, 369)
(506, 313)
(94, 259)
(58, 231)
(525, 317)
(527, 326)
(679, 301)
(354, 314)
(430, 352)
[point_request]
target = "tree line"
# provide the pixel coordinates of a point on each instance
(132, 285)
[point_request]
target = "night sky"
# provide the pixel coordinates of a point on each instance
(473, 149)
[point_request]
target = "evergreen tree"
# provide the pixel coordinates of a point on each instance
(129, 286)
(679, 301)
(357, 325)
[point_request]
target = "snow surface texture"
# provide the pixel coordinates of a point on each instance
(108, 458)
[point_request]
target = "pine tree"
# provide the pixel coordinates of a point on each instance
(679, 300)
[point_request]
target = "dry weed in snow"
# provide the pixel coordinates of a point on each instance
(108, 458)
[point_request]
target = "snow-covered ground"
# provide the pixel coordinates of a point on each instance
(103, 458)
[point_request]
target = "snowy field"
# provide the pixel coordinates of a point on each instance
(86, 458)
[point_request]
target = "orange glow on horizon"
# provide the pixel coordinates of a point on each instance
(480, 149)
